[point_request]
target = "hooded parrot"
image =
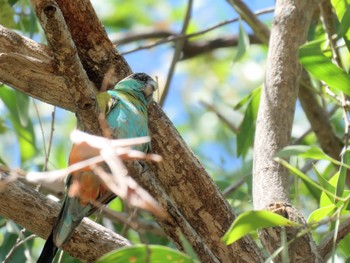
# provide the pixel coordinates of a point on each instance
(125, 108)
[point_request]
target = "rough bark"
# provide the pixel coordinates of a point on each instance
(326, 245)
(190, 181)
(275, 118)
(209, 204)
(278, 98)
(68, 65)
(37, 213)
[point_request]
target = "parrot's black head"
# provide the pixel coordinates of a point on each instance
(148, 86)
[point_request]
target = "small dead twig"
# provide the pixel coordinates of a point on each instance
(177, 54)
(18, 243)
(88, 151)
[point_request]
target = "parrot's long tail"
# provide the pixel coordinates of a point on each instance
(49, 251)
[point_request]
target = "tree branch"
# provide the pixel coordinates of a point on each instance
(97, 53)
(188, 36)
(326, 246)
(275, 117)
(37, 213)
(191, 48)
(261, 31)
(68, 65)
(319, 119)
(179, 44)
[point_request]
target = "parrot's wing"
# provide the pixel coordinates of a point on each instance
(106, 102)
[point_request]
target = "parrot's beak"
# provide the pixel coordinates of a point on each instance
(150, 87)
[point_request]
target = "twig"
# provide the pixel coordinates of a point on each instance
(210, 107)
(261, 30)
(136, 224)
(178, 50)
(230, 189)
(93, 147)
(128, 221)
(177, 37)
(196, 48)
(125, 38)
(18, 243)
(42, 131)
(51, 137)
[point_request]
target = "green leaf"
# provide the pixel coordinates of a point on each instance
(25, 133)
(252, 221)
(325, 184)
(304, 151)
(6, 14)
(243, 43)
(247, 98)
(343, 13)
(303, 176)
(320, 213)
(321, 67)
(344, 246)
(311, 152)
(3, 127)
(292, 150)
(245, 136)
(22, 105)
(328, 199)
(116, 204)
(145, 253)
(2, 161)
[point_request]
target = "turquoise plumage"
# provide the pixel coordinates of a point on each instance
(125, 108)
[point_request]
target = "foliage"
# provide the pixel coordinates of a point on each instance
(144, 253)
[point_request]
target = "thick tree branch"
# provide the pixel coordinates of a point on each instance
(275, 116)
(319, 119)
(36, 213)
(190, 181)
(68, 65)
(191, 48)
(96, 52)
(326, 246)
